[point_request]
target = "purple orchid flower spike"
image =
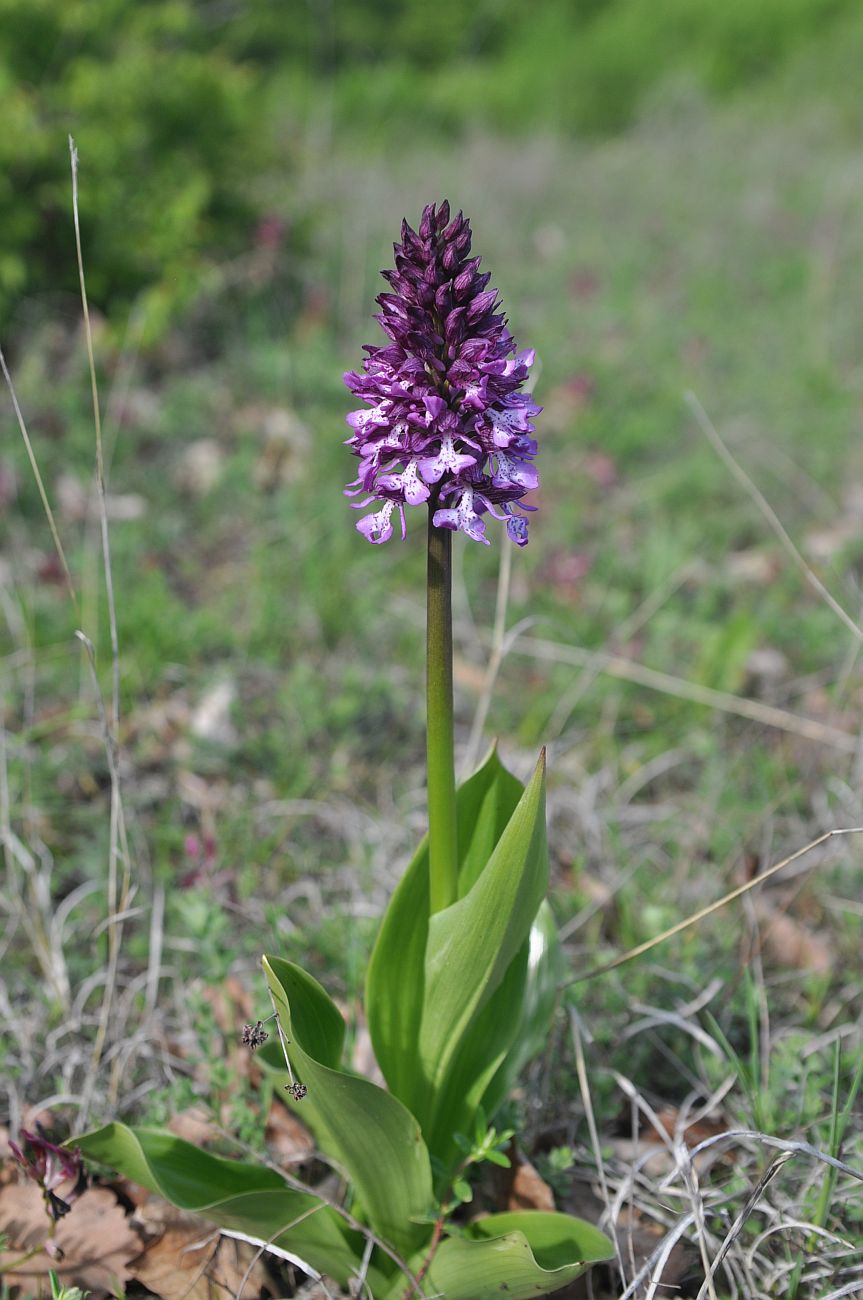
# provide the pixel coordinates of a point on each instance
(51, 1167)
(445, 421)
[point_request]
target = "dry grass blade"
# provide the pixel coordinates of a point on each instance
(657, 1260)
(267, 1248)
(682, 1157)
(100, 458)
(118, 897)
(780, 1144)
(738, 1224)
(628, 670)
(595, 1143)
(709, 430)
(852, 1288)
(704, 912)
(43, 495)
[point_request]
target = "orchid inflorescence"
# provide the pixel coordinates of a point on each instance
(444, 421)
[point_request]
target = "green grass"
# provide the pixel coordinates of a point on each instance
(704, 248)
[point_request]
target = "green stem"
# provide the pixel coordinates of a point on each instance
(443, 846)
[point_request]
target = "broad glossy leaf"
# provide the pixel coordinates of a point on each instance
(317, 1021)
(367, 1130)
(545, 969)
(233, 1194)
(477, 1062)
(395, 984)
(484, 805)
(517, 1255)
(471, 946)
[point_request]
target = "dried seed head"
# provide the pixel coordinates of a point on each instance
(254, 1035)
(296, 1089)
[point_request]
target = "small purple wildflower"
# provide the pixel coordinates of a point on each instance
(444, 420)
(51, 1166)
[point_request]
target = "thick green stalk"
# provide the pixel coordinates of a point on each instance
(443, 846)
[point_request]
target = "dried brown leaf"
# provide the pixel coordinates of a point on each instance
(195, 1125)
(789, 942)
(96, 1237)
(194, 1262)
(288, 1139)
(528, 1191)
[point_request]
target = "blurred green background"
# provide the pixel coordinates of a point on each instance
(194, 119)
(668, 195)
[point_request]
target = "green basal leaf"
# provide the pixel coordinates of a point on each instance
(474, 985)
(317, 1022)
(367, 1130)
(396, 1001)
(484, 805)
(479, 1053)
(247, 1198)
(517, 1255)
(395, 984)
(544, 975)
(442, 1049)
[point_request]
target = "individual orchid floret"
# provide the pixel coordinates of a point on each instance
(445, 419)
(51, 1167)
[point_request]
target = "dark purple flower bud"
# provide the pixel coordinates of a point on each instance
(444, 420)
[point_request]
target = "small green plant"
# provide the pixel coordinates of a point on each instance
(61, 1292)
(554, 1167)
(461, 985)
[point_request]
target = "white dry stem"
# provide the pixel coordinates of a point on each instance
(683, 1160)
(117, 393)
(266, 1247)
(595, 1144)
(657, 1260)
(361, 1284)
(739, 1222)
(780, 1144)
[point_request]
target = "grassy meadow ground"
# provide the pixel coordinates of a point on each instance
(271, 737)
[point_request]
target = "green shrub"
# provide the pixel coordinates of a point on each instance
(168, 129)
(181, 110)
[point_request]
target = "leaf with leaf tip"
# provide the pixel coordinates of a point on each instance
(367, 1130)
(471, 947)
(543, 976)
(518, 1255)
(396, 980)
(247, 1198)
